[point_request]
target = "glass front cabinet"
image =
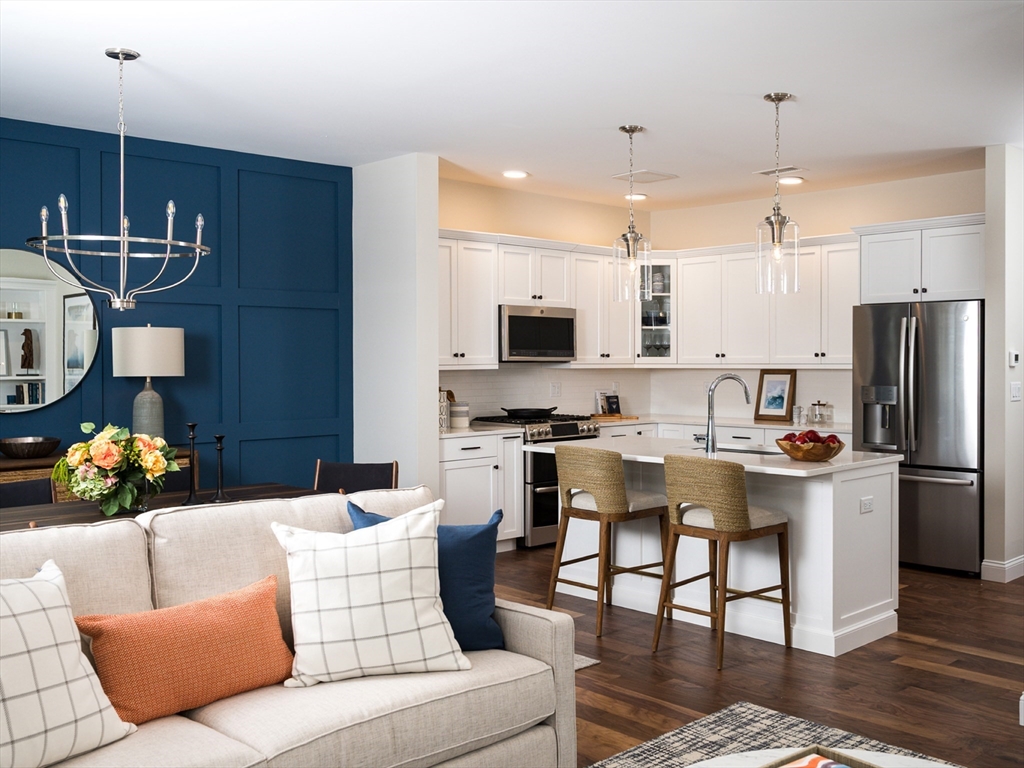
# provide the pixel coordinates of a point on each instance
(656, 326)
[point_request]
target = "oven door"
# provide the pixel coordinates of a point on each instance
(540, 497)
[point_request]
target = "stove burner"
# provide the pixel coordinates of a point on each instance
(551, 427)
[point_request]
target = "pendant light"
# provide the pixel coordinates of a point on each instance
(778, 236)
(632, 251)
(163, 248)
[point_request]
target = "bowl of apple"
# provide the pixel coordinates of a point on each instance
(809, 445)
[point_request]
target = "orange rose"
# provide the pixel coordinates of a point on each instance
(105, 453)
(145, 443)
(154, 463)
(77, 454)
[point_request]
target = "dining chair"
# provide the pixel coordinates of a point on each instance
(707, 499)
(350, 478)
(592, 486)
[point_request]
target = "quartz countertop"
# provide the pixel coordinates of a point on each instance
(493, 429)
(727, 421)
(652, 450)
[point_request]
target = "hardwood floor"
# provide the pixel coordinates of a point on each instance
(948, 684)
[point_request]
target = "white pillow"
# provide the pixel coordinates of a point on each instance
(368, 602)
(52, 705)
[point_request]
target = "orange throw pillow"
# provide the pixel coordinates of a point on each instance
(157, 663)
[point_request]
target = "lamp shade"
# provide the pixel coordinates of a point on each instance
(148, 351)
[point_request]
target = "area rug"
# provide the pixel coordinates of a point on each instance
(580, 661)
(743, 727)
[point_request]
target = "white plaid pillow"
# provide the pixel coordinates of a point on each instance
(52, 705)
(368, 602)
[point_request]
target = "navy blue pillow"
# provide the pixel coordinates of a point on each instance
(465, 568)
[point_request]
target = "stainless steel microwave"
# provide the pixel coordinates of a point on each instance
(537, 334)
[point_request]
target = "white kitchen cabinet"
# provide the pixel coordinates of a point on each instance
(928, 263)
(723, 320)
(814, 326)
(656, 321)
(470, 490)
(468, 304)
(629, 430)
(510, 475)
(604, 327)
(533, 276)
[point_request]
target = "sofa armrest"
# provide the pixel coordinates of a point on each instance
(550, 637)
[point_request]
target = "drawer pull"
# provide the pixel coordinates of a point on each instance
(474, 448)
(935, 480)
(740, 437)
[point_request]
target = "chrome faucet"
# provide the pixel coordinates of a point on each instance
(711, 445)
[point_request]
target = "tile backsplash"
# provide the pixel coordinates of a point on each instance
(676, 391)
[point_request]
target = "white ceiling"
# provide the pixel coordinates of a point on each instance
(884, 89)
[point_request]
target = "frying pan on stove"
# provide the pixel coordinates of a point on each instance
(529, 413)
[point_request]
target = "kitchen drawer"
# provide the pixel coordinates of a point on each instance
(739, 435)
(627, 430)
(470, 447)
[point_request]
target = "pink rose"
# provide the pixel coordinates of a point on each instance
(106, 454)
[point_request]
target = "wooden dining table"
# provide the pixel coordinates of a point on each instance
(79, 512)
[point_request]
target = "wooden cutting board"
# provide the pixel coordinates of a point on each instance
(613, 417)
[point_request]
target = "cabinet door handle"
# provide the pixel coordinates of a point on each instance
(935, 480)
(822, 354)
(455, 354)
(540, 296)
(638, 354)
(924, 290)
(817, 354)
(473, 448)
(723, 354)
(511, 437)
(495, 466)
(915, 290)
(617, 435)
(534, 296)
(463, 354)
(740, 437)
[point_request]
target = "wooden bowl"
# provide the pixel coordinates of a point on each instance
(28, 447)
(810, 451)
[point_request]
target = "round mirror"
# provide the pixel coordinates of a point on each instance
(49, 332)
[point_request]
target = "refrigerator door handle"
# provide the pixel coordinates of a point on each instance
(902, 398)
(911, 368)
(935, 480)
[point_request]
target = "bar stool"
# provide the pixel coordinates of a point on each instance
(708, 500)
(592, 486)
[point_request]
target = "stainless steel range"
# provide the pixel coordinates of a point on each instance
(540, 494)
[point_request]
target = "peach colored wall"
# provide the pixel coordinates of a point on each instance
(829, 212)
(464, 205)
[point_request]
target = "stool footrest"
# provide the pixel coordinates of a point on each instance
(578, 559)
(576, 584)
(735, 594)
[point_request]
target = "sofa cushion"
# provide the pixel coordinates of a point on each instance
(368, 602)
(51, 703)
(105, 564)
(407, 720)
(392, 502)
(171, 742)
(157, 663)
(465, 567)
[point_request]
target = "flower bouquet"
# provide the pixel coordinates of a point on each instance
(116, 468)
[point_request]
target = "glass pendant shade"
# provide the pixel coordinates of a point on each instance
(631, 270)
(778, 254)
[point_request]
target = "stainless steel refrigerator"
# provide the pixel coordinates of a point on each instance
(917, 390)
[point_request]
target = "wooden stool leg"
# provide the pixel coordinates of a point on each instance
(563, 526)
(787, 618)
(712, 579)
(602, 570)
(666, 524)
(666, 581)
(606, 544)
(723, 583)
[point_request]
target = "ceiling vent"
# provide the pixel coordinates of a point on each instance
(646, 177)
(782, 170)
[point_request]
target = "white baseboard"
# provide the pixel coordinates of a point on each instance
(1022, 709)
(1003, 571)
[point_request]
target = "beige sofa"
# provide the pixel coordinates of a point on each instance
(515, 707)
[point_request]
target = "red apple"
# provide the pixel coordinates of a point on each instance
(790, 437)
(812, 436)
(832, 440)
(801, 439)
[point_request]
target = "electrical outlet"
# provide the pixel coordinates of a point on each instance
(867, 504)
(1014, 391)
(556, 389)
(615, 387)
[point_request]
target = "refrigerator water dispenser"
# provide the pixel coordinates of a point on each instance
(880, 417)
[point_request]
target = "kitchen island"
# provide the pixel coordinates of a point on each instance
(843, 545)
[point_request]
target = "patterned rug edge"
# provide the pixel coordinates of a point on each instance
(743, 727)
(580, 661)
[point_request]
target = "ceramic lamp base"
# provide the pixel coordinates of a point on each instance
(148, 412)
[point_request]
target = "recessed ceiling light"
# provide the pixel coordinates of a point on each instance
(635, 196)
(791, 180)
(515, 174)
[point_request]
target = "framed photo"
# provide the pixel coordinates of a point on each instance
(79, 337)
(775, 393)
(612, 401)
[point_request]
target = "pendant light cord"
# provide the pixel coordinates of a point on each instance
(778, 198)
(631, 227)
(121, 129)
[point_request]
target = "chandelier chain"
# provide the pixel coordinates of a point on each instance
(631, 181)
(778, 198)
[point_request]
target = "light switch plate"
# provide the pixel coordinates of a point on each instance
(867, 504)
(1014, 391)
(556, 389)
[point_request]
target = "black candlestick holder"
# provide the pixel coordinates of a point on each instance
(221, 496)
(193, 465)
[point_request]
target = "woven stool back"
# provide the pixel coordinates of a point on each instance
(595, 471)
(718, 485)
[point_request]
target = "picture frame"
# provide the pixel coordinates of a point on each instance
(79, 321)
(612, 402)
(776, 392)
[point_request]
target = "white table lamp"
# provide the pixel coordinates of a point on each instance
(149, 352)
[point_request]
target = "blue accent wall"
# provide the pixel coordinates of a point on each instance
(267, 316)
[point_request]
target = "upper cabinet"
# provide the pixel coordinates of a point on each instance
(814, 325)
(656, 322)
(923, 260)
(723, 320)
(533, 276)
(468, 304)
(604, 329)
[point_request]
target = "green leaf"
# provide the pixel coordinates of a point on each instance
(110, 506)
(61, 471)
(125, 495)
(87, 427)
(172, 466)
(121, 434)
(169, 452)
